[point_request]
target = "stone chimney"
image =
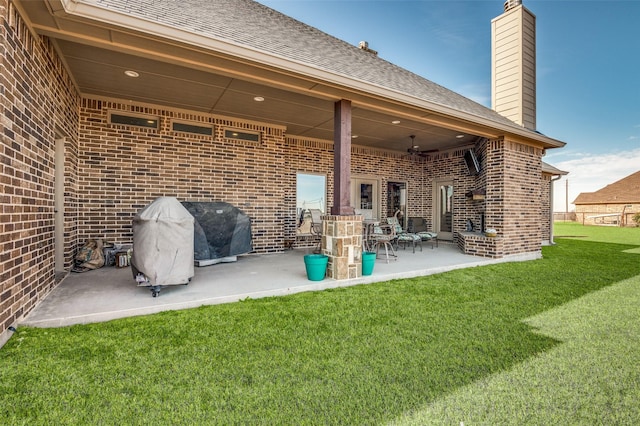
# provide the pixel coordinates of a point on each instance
(513, 64)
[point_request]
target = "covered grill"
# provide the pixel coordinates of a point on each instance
(222, 231)
(163, 235)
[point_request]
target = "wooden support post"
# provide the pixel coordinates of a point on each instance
(342, 159)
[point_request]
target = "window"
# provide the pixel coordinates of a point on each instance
(242, 135)
(311, 190)
(129, 119)
(195, 128)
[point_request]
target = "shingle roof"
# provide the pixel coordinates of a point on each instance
(252, 25)
(624, 191)
(548, 168)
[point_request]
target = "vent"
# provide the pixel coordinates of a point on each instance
(363, 45)
(510, 4)
(134, 120)
(177, 126)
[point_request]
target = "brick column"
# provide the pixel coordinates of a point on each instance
(514, 196)
(342, 242)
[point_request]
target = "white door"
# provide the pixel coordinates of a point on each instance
(58, 204)
(443, 209)
(364, 197)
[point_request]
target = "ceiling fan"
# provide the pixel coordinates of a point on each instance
(414, 150)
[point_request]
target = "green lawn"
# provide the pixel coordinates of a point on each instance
(605, 234)
(551, 341)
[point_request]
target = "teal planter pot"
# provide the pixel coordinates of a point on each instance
(368, 260)
(316, 265)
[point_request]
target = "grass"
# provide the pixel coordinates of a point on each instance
(597, 233)
(541, 342)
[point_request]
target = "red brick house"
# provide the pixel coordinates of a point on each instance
(108, 104)
(615, 204)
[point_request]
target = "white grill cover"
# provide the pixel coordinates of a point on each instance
(163, 242)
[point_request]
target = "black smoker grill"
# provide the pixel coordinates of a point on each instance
(222, 232)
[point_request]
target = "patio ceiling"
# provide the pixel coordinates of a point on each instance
(186, 76)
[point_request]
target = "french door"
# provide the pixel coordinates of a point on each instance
(364, 197)
(443, 209)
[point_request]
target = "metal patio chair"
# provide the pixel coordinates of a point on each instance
(403, 237)
(316, 227)
(418, 225)
(384, 235)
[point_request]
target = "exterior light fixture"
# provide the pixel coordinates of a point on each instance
(258, 98)
(395, 122)
(354, 136)
(459, 136)
(131, 73)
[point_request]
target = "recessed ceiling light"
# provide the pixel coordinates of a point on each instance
(395, 122)
(131, 73)
(460, 136)
(354, 136)
(258, 99)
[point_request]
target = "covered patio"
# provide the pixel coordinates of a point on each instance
(115, 104)
(110, 293)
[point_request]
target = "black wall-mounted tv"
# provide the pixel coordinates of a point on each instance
(472, 162)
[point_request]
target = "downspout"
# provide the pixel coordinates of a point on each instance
(553, 179)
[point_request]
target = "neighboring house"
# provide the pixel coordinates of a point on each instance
(615, 204)
(108, 104)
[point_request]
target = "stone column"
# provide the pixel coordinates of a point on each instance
(342, 242)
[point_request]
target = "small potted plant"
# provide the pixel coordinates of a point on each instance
(490, 232)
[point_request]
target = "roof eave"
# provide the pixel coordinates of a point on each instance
(88, 10)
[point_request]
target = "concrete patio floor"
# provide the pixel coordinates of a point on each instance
(110, 293)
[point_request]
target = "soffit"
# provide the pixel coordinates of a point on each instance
(184, 76)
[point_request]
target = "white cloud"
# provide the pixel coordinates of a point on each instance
(480, 93)
(591, 172)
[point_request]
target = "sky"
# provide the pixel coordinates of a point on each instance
(588, 68)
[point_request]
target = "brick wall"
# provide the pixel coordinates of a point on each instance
(304, 155)
(451, 166)
(38, 104)
(514, 195)
(123, 168)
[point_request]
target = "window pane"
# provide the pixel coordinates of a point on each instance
(310, 194)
